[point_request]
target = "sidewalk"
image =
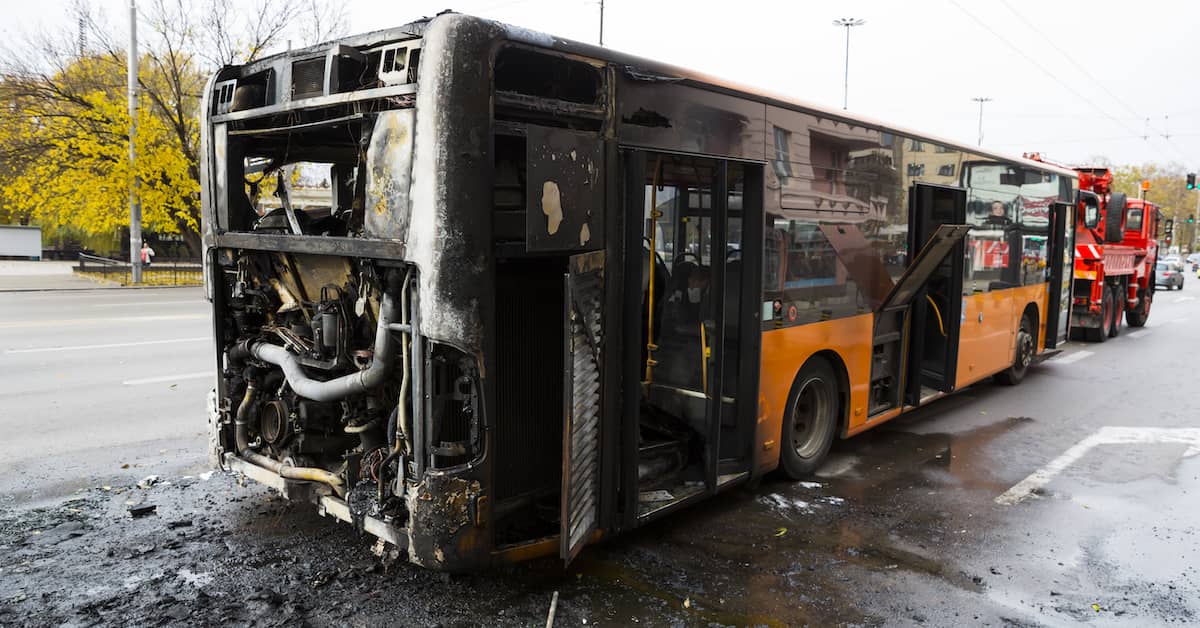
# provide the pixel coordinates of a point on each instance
(21, 275)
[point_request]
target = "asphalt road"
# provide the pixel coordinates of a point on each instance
(1071, 499)
(95, 379)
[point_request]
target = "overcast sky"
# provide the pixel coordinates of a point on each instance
(917, 64)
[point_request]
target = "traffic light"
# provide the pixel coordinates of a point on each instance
(1191, 181)
(1191, 218)
(1169, 228)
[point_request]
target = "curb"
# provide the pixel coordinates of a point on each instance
(2, 290)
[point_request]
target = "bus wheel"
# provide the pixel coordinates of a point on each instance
(1137, 316)
(811, 420)
(1013, 375)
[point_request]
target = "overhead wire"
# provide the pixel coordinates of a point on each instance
(1095, 81)
(1064, 84)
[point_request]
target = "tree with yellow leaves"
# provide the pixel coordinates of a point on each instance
(64, 122)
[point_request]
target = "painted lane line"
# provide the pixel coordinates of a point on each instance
(169, 378)
(1104, 436)
(134, 303)
(1070, 357)
(110, 319)
(113, 345)
(1138, 334)
(1182, 299)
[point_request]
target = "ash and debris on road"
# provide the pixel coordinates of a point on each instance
(224, 551)
(895, 536)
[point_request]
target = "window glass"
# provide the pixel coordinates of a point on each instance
(1009, 209)
(1133, 219)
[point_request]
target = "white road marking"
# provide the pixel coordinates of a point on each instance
(169, 378)
(133, 303)
(113, 345)
(1104, 436)
(1138, 334)
(1182, 299)
(1070, 357)
(92, 321)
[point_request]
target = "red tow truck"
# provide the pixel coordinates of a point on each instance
(1116, 247)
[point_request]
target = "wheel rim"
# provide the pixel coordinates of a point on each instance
(1024, 348)
(810, 417)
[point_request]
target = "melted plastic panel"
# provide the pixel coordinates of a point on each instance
(564, 190)
(389, 175)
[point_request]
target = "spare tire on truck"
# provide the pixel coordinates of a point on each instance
(1114, 218)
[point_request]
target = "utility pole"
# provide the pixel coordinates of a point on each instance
(135, 206)
(601, 22)
(847, 22)
(981, 100)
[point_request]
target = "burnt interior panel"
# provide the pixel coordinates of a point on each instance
(564, 190)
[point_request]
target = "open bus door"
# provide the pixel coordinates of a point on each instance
(1061, 264)
(892, 303)
(582, 410)
(937, 307)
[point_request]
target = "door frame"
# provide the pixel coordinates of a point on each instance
(633, 165)
(922, 226)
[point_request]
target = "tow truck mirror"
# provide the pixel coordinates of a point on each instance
(1091, 214)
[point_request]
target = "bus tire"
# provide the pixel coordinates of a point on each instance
(1022, 357)
(810, 421)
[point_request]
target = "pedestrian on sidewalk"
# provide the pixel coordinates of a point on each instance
(147, 254)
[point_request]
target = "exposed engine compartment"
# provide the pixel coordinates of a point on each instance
(320, 372)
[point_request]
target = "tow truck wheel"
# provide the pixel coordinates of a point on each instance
(1023, 356)
(1114, 327)
(1100, 333)
(1136, 317)
(811, 421)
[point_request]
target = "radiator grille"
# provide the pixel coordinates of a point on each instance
(529, 372)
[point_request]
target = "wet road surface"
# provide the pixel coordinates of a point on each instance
(997, 506)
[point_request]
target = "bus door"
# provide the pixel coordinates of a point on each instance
(688, 286)
(937, 307)
(1061, 263)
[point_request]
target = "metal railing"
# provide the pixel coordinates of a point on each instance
(161, 273)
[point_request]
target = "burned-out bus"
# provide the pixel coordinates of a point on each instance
(487, 294)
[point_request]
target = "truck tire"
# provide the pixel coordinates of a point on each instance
(810, 421)
(1100, 334)
(1114, 328)
(1136, 317)
(1022, 358)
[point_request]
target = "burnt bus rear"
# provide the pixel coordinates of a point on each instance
(356, 198)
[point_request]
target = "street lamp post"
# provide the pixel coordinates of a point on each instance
(135, 205)
(981, 100)
(847, 22)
